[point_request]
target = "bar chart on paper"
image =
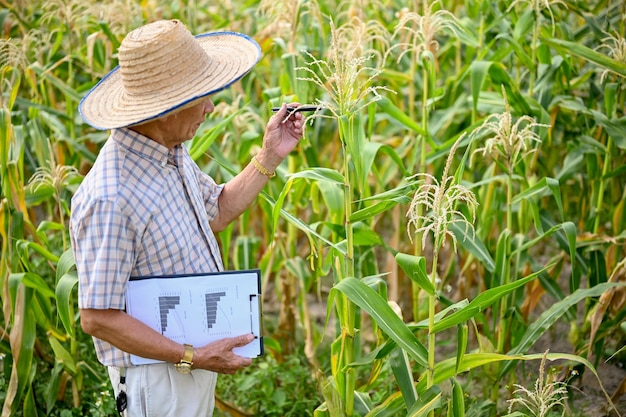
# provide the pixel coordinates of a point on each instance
(199, 309)
(210, 304)
(166, 304)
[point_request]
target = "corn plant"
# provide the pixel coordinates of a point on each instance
(416, 33)
(346, 80)
(439, 200)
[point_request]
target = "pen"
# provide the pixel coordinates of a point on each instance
(304, 107)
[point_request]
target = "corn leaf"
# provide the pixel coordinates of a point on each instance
(63, 293)
(378, 308)
(473, 245)
(379, 207)
(278, 211)
(200, 144)
(391, 407)
(34, 281)
(458, 399)
(66, 262)
(446, 368)
(482, 301)
(392, 110)
(415, 268)
(61, 354)
(22, 338)
(539, 326)
(538, 190)
(590, 55)
(319, 174)
(428, 401)
(402, 371)
(462, 337)
(24, 245)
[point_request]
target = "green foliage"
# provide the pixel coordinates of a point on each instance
(272, 389)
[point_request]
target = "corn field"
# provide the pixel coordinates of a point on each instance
(456, 204)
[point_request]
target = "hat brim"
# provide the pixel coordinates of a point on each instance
(107, 106)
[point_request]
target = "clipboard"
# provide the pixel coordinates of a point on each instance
(199, 308)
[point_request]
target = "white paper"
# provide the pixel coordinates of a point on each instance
(199, 309)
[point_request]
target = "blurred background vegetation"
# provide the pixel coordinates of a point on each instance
(455, 211)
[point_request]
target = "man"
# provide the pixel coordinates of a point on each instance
(146, 209)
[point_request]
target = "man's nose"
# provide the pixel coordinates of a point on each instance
(208, 106)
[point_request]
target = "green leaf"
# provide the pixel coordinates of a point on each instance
(319, 174)
(23, 335)
(391, 153)
(30, 406)
(61, 354)
(539, 189)
(570, 234)
(524, 24)
(333, 196)
(24, 245)
(391, 407)
(200, 144)
(478, 74)
(415, 268)
(473, 245)
(446, 368)
(104, 26)
(52, 387)
(582, 51)
(377, 208)
(392, 110)
(36, 282)
(462, 337)
(482, 301)
(378, 308)
(503, 255)
(401, 190)
(500, 76)
(615, 128)
(458, 399)
(539, 326)
(278, 211)
(364, 235)
(66, 262)
(352, 135)
(63, 292)
(403, 373)
(428, 401)
(45, 74)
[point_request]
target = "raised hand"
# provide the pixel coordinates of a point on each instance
(282, 134)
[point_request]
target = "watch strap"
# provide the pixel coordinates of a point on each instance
(188, 355)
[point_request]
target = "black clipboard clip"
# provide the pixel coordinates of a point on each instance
(255, 309)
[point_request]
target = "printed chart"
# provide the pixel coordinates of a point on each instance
(199, 309)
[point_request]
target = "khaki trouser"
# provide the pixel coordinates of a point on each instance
(158, 390)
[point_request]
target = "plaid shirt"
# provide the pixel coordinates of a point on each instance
(142, 210)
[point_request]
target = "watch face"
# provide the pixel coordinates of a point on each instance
(183, 368)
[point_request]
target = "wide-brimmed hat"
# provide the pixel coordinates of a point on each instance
(163, 67)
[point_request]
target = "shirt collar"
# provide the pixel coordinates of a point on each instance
(145, 147)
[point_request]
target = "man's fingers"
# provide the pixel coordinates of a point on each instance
(242, 340)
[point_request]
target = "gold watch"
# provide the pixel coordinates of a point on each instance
(184, 366)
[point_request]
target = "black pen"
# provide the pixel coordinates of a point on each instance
(304, 107)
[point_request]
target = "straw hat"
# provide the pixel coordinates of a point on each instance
(163, 67)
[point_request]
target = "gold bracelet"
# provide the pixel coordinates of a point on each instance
(262, 169)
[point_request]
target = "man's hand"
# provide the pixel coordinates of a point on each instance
(219, 357)
(282, 134)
